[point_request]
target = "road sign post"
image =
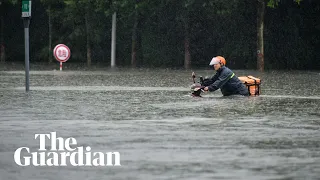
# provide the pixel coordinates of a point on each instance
(113, 40)
(26, 15)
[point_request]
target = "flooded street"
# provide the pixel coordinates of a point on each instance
(160, 131)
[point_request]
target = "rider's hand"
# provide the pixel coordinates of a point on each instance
(197, 89)
(206, 88)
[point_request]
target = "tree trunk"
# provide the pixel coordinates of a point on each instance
(136, 40)
(134, 45)
(88, 38)
(2, 47)
(260, 27)
(187, 56)
(50, 34)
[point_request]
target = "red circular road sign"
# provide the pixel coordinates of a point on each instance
(61, 52)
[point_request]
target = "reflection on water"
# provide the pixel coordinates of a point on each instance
(160, 131)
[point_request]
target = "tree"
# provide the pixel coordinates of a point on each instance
(136, 35)
(2, 47)
(3, 3)
(186, 21)
(50, 10)
(260, 28)
(77, 8)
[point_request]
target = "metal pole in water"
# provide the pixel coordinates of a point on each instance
(26, 43)
(26, 15)
(113, 40)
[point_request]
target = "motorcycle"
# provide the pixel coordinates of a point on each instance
(197, 88)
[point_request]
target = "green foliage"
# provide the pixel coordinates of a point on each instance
(10, 1)
(275, 3)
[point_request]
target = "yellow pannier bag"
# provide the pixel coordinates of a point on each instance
(252, 83)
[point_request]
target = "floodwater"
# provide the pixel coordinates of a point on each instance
(160, 131)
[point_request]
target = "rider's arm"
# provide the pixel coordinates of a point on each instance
(221, 80)
(207, 82)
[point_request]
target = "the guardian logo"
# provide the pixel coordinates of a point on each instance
(63, 154)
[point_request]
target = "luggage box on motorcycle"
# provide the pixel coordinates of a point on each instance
(252, 83)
